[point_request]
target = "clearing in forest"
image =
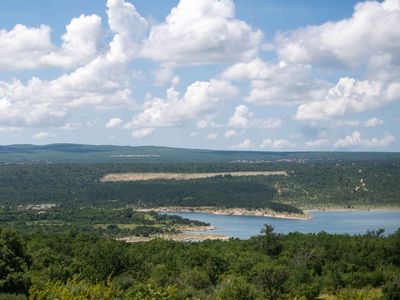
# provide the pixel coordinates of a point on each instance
(183, 176)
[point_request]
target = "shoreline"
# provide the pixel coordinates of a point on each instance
(230, 212)
(186, 228)
(353, 209)
(202, 233)
(263, 212)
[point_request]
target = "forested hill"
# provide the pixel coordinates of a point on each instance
(76, 265)
(77, 153)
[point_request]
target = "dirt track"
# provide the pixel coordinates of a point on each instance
(182, 176)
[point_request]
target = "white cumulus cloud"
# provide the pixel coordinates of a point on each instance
(103, 81)
(279, 83)
(129, 28)
(372, 31)
(41, 135)
(80, 43)
(231, 133)
(201, 98)
(22, 47)
(244, 118)
(201, 32)
(246, 144)
(25, 47)
(207, 122)
(347, 96)
(356, 140)
(373, 122)
(142, 133)
(276, 144)
(114, 123)
(211, 136)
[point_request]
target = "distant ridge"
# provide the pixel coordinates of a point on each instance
(83, 153)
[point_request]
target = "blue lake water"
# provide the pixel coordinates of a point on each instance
(352, 222)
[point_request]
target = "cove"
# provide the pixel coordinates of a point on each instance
(340, 222)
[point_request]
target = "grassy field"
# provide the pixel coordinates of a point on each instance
(184, 176)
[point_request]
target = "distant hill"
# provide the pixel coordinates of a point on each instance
(79, 153)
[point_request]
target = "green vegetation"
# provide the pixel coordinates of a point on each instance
(101, 221)
(70, 251)
(308, 185)
(76, 153)
(74, 265)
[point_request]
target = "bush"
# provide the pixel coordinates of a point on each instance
(74, 289)
(391, 290)
(236, 288)
(12, 297)
(150, 292)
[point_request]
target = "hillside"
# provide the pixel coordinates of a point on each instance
(314, 179)
(78, 153)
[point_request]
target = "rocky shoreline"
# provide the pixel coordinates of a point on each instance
(351, 209)
(230, 212)
(195, 228)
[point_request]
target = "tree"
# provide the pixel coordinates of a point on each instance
(270, 241)
(391, 290)
(150, 292)
(102, 259)
(13, 263)
(272, 278)
(215, 266)
(236, 288)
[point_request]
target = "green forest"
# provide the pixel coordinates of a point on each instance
(308, 185)
(61, 226)
(76, 265)
(101, 221)
(80, 153)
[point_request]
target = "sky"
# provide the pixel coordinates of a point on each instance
(213, 74)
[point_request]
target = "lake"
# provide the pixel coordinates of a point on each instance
(351, 222)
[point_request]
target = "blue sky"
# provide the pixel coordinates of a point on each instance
(216, 74)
